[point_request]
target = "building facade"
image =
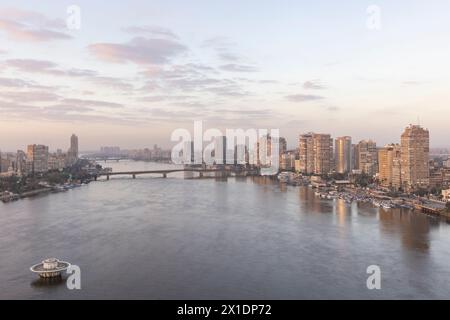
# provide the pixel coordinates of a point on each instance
(315, 153)
(415, 149)
(389, 160)
(37, 156)
(367, 157)
(343, 154)
(72, 154)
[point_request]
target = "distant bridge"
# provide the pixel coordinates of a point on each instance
(100, 157)
(223, 172)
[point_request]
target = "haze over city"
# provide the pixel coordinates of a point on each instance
(129, 78)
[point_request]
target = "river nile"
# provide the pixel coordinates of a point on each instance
(243, 238)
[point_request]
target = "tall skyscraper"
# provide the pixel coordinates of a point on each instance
(323, 153)
(389, 161)
(38, 156)
(220, 150)
(367, 157)
(415, 147)
(282, 145)
(264, 153)
(343, 154)
(21, 159)
(315, 153)
(73, 150)
(306, 153)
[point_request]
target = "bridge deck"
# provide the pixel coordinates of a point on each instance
(167, 171)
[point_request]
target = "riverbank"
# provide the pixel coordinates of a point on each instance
(6, 196)
(349, 192)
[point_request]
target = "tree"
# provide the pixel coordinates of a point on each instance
(447, 206)
(363, 180)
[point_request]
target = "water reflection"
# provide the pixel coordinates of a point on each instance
(48, 282)
(412, 228)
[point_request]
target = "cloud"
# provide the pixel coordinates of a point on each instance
(29, 96)
(111, 82)
(231, 90)
(30, 65)
(159, 98)
(47, 67)
(51, 68)
(91, 103)
(139, 50)
(227, 56)
(303, 97)
(218, 42)
(223, 46)
(15, 109)
(32, 17)
(238, 68)
(13, 83)
(151, 31)
(65, 113)
(26, 25)
(313, 85)
(19, 83)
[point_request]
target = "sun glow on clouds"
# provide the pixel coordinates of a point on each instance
(153, 78)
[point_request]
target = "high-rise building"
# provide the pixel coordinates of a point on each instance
(263, 153)
(323, 153)
(38, 157)
(447, 163)
(282, 145)
(220, 150)
(366, 153)
(110, 151)
(287, 160)
(389, 162)
(343, 154)
(415, 147)
(315, 153)
(73, 150)
(5, 164)
(21, 162)
(306, 153)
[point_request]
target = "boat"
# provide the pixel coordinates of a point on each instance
(376, 203)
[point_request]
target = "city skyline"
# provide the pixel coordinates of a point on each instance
(131, 78)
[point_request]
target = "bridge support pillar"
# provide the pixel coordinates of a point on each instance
(201, 174)
(134, 176)
(107, 177)
(164, 175)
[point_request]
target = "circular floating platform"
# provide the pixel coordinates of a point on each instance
(50, 268)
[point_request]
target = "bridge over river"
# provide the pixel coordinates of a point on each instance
(220, 172)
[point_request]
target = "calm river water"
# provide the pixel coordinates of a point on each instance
(176, 238)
